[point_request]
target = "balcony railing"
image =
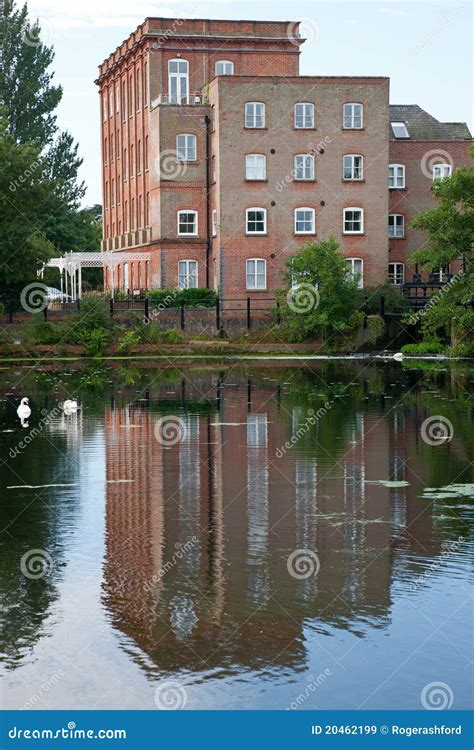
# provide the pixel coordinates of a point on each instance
(170, 99)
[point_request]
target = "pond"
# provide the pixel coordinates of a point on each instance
(268, 535)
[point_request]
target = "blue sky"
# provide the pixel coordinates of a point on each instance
(424, 47)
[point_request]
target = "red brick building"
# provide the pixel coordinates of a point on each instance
(221, 161)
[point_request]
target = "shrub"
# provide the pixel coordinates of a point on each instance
(170, 336)
(95, 341)
(176, 297)
(424, 347)
(395, 302)
(129, 339)
(40, 332)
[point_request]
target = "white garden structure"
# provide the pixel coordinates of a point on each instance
(71, 264)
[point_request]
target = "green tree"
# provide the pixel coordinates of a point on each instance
(321, 299)
(30, 98)
(26, 195)
(450, 233)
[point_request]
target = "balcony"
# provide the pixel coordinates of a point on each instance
(183, 101)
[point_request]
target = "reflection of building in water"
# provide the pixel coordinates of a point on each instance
(199, 536)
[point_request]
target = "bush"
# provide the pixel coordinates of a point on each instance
(465, 350)
(40, 332)
(96, 341)
(176, 297)
(129, 339)
(424, 347)
(395, 302)
(170, 336)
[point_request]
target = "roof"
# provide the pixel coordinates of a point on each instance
(424, 127)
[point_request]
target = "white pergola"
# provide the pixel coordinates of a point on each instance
(71, 264)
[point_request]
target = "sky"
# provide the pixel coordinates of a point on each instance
(424, 47)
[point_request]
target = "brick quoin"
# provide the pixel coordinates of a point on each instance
(144, 185)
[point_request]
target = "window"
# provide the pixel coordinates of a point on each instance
(396, 273)
(396, 225)
(186, 147)
(396, 176)
(353, 221)
(304, 221)
(139, 157)
(130, 97)
(224, 68)
(214, 222)
(124, 102)
(355, 268)
(256, 221)
(117, 99)
(304, 115)
(255, 167)
(440, 275)
(111, 103)
(352, 116)
(188, 223)
(178, 81)
(104, 107)
(132, 161)
(352, 167)
(138, 86)
(256, 273)
(304, 167)
(187, 274)
(440, 171)
(400, 130)
(254, 115)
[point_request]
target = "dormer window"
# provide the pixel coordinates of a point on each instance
(400, 130)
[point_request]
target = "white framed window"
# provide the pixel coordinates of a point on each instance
(186, 147)
(305, 220)
(304, 115)
(214, 222)
(104, 107)
(352, 167)
(396, 176)
(187, 223)
(352, 116)
(178, 81)
(187, 274)
(224, 68)
(396, 225)
(255, 167)
(355, 269)
(117, 99)
(304, 167)
(353, 220)
(256, 221)
(440, 275)
(111, 103)
(440, 171)
(256, 273)
(400, 130)
(254, 115)
(396, 274)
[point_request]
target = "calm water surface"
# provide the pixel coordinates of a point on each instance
(177, 516)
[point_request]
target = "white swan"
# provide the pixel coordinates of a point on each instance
(24, 410)
(70, 406)
(398, 357)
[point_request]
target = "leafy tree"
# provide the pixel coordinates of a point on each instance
(450, 230)
(26, 196)
(30, 98)
(321, 299)
(26, 87)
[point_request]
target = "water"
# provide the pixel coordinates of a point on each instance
(240, 554)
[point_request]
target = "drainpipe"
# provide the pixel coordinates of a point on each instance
(207, 121)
